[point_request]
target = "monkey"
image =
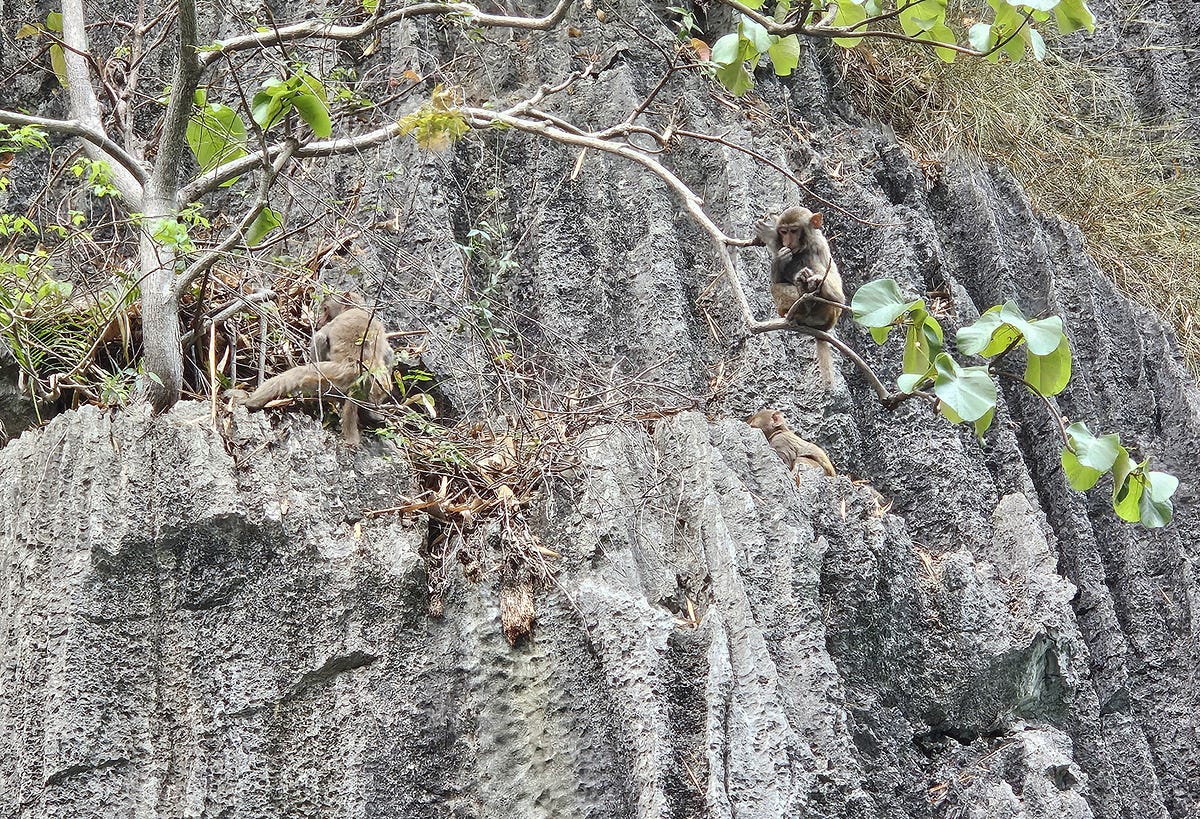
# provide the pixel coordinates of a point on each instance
(801, 264)
(352, 359)
(790, 447)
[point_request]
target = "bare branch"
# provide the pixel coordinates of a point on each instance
(482, 118)
(74, 127)
(86, 108)
(212, 180)
(165, 179)
(1045, 399)
(198, 267)
(323, 30)
(239, 303)
(889, 399)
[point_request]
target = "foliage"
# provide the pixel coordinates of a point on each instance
(50, 333)
(98, 177)
(968, 393)
(52, 31)
(299, 92)
(438, 124)
(216, 134)
(769, 29)
(15, 139)
(1076, 145)
(746, 47)
(483, 252)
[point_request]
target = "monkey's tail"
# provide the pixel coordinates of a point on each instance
(305, 381)
(825, 362)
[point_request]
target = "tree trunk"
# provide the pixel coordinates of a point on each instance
(161, 347)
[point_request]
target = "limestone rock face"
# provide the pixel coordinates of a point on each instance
(202, 624)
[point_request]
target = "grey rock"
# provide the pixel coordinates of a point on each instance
(202, 624)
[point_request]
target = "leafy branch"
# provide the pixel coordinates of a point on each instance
(1012, 33)
(968, 394)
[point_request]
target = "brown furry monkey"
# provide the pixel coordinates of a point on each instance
(790, 447)
(800, 264)
(352, 360)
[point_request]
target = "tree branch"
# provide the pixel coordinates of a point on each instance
(890, 400)
(321, 29)
(1050, 407)
(82, 103)
(482, 118)
(165, 179)
(239, 303)
(74, 127)
(198, 267)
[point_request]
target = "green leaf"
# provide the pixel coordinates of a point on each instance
(982, 425)
(1043, 336)
(922, 16)
(1014, 48)
(725, 50)
(908, 382)
(941, 33)
(968, 391)
(1126, 491)
(29, 30)
(974, 338)
(987, 337)
(922, 342)
(756, 34)
(1127, 501)
(216, 135)
(267, 108)
(735, 78)
(1072, 15)
(880, 334)
(950, 415)
(264, 223)
(1037, 5)
(315, 112)
(879, 303)
(1098, 453)
(1081, 478)
(980, 37)
(849, 14)
(1155, 505)
(1035, 42)
(58, 62)
(1049, 374)
(785, 55)
(999, 327)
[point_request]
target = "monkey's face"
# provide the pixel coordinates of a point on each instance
(790, 236)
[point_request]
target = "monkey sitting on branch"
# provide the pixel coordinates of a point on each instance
(353, 360)
(793, 450)
(805, 282)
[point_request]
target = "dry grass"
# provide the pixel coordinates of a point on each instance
(1074, 143)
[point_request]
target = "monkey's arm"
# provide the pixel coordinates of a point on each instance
(815, 457)
(766, 233)
(321, 345)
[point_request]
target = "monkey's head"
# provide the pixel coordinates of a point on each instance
(793, 227)
(337, 303)
(769, 421)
